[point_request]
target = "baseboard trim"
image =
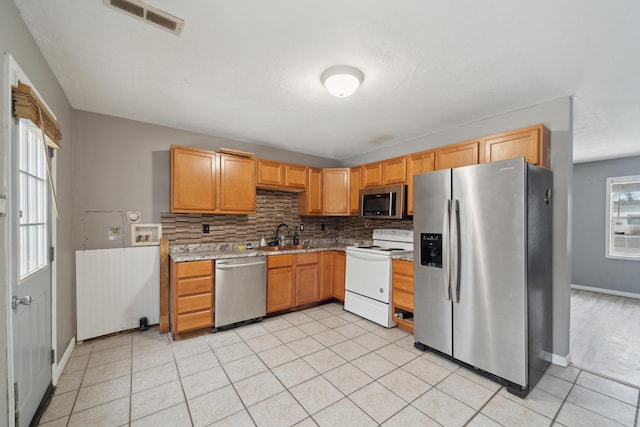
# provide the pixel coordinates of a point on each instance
(59, 367)
(606, 291)
(563, 361)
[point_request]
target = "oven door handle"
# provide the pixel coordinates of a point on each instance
(368, 257)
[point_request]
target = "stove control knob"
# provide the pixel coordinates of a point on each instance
(381, 291)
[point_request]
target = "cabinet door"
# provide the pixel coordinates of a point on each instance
(295, 176)
(529, 143)
(193, 180)
(280, 289)
(338, 272)
(310, 201)
(417, 163)
(355, 175)
(457, 155)
(307, 283)
(372, 175)
(394, 171)
(326, 275)
(335, 189)
(269, 173)
(237, 184)
(191, 295)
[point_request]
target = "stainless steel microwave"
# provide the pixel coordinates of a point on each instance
(388, 202)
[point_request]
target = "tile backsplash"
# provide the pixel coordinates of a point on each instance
(272, 208)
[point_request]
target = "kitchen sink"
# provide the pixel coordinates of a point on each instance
(284, 248)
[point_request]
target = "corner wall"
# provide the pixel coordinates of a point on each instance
(557, 116)
(590, 267)
(123, 165)
(16, 40)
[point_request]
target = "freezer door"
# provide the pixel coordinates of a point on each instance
(489, 309)
(432, 303)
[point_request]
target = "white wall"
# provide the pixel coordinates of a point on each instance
(557, 116)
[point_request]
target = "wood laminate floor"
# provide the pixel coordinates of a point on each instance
(605, 335)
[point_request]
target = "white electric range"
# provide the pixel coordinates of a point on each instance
(368, 275)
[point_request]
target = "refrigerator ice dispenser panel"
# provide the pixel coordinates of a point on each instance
(431, 249)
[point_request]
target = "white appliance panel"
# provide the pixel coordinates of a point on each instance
(369, 274)
(368, 308)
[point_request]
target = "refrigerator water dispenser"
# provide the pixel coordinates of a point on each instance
(431, 249)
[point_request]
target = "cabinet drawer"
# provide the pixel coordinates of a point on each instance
(197, 285)
(280, 261)
(403, 283)
(200, 319)
(194, 303)
(403, 267)
(308, 258)
(403, 299)
(194, 269)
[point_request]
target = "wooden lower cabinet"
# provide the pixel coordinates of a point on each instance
(292, 280)
(338, 274)
(402, 293)
(191, 295)
(280, 283)
(307, 278)
(332, 275)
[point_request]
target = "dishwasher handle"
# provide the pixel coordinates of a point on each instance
(221, 265)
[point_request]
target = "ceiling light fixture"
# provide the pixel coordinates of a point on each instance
(342, 81)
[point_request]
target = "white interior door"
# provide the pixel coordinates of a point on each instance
(31, 287)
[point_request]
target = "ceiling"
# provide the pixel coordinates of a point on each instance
(250, 70)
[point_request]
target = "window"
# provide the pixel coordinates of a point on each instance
(623, 217)
(32, 175)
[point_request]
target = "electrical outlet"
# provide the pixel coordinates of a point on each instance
(205, 228)
(301, 227)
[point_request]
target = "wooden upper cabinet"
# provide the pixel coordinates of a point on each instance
(355, 175)
(394, 171)
(310, 201)
(417, 163)
(335, 189)
(457, 155)
(237, 184)
(269, 173)
(295, 176)
(371, 175)
(280, 176)
(532, 143)
(193, 180)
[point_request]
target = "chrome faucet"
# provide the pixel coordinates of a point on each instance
(276, 237)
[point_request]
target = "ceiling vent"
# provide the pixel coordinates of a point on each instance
(152, 15)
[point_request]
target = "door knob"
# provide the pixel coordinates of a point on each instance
(15, 302)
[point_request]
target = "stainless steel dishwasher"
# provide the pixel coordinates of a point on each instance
(240, 290)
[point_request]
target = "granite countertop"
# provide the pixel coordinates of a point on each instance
(404, 257)
(207, 251)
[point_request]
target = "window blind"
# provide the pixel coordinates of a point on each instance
(27, 105)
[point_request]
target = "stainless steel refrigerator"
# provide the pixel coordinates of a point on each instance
(482, 269)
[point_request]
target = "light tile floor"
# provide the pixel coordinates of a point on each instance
(322, 366)
(605, 336)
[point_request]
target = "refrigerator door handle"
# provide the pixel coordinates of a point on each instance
(445, 248)
(455, 251)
